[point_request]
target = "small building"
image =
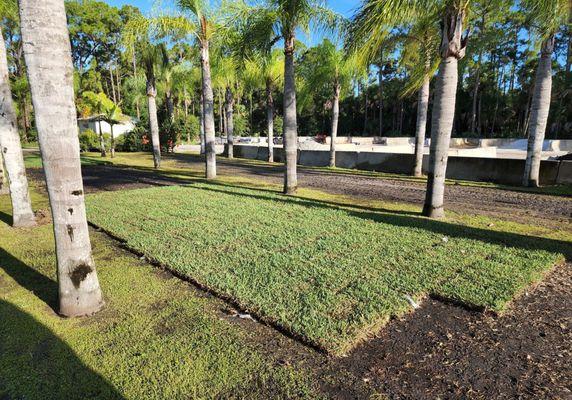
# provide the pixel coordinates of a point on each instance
(93, 123)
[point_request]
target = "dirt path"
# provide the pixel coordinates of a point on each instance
(518, 206)
(440, 350)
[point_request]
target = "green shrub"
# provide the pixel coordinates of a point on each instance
(88, 141)
(136, 140)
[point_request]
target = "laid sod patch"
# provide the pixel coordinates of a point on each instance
(155, 339)
(330, 275)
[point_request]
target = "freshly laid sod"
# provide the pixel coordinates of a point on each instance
(155, 339)
(329, 275)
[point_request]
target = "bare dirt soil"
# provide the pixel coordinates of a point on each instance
(440, 350)
(518, 206)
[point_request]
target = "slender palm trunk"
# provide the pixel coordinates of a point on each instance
(380, 73)
(112, 150)
(335, 118)
(202, 124)
(112, 80)
(170, 106)
(270, 121)
(229, 122)
(421, 126)
(101, 141)
(118, 80)
(11, 150)
(153, 121)
(47, 52)
(290, 129)
(134, 63)
(208, 104)
(452, 50)
(475, 96)
(539, 114)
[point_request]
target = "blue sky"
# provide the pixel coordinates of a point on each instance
(344, 7)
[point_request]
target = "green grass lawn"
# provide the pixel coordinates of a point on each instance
(332, 275)
(155, 339)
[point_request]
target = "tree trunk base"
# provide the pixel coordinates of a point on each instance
(434, 212)
(290, 191)
(24, 221)
(71, 309)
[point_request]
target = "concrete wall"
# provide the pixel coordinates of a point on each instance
(506, 171)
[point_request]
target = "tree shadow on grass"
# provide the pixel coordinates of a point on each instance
(414, 220)
(36, 364)
(43, 287)
(6, 218)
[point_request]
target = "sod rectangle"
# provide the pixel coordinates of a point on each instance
(327, 274)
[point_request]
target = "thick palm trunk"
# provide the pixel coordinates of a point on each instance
(11, 150)
(335, 118)
(421, 126)
(229, 123)
(202, 124)
(3, 182)
(539, 114)
(290, 129)
(101, 140)
(47, 53)
(270, 121)
(452, 50)
(208, 104)
(153, 121)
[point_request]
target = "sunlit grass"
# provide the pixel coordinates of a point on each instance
(330, 274)
(156, 339)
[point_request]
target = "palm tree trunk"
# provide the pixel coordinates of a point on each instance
(473, 127)
(335, 118)
(170, 107)
(47, 53)
(270, 121)
(208, 104)
(539, 114)
(290, 122)
(421, 126)
(112, 150)
(11, 147)
(153, 121)
(380, 73)
(101, 141)
(112, 80)
(202, 124)
(3, 186)
(452, 50)
(229, 122)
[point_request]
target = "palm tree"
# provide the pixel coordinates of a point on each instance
(546, 16)
(22, 214)
(264, 70)
(335, 70)
(420, 56)
(113, 116)
(225, 80)
(198, 20)
(96, 106)
(47, 53)
(282, 19)
(370, 28)
(138, 34)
